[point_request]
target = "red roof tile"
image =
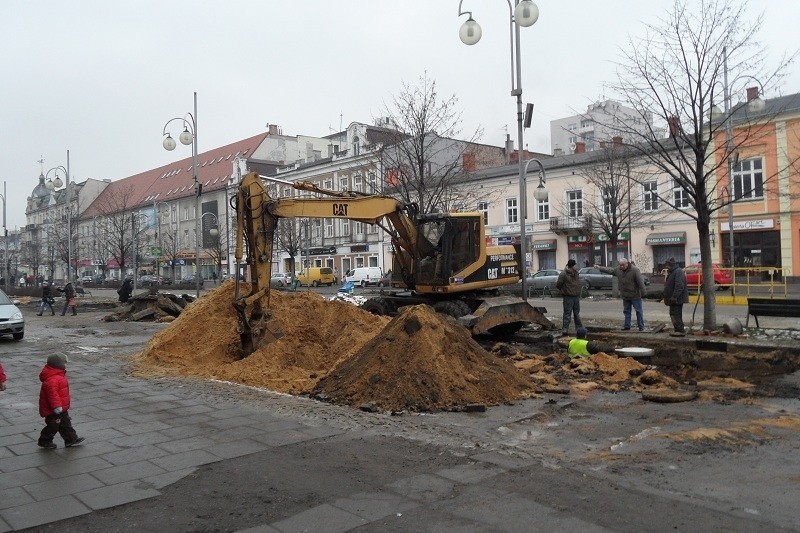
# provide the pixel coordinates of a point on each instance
(174, 181)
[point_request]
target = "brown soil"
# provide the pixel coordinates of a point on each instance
(420, 360)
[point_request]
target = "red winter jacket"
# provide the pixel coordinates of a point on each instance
(55, 390)
(2, 375)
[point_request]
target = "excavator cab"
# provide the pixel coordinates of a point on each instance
(457, 247)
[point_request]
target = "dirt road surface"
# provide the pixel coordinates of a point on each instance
(583, 462)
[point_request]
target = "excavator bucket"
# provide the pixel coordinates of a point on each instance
(260, 329)
(504, 315)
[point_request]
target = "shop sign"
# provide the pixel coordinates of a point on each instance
(359, 248)
(602, 237)
(577, 238)
(544, 245)
(324, 250)
(746, 225)
(514, 228)
(503, 240)
(665, 238)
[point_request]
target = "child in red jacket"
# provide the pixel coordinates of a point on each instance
(2, 379)
(54, 404)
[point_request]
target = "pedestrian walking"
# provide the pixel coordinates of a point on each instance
(70, 299)
(214, 277)
(2, 378)
(54, 403)
(47, 299)
(569, 284)
(631, 288)
(676, 293)
(125, 290)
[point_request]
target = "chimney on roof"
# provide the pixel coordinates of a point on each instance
(273, 129)
(617, 140)
(752, 93)
(580, 147)
(509, 148)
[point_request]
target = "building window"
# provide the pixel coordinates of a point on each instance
(345, 227)
(358, 183)
(356, 146)
(679, 196)
(317, 228)
(373, 182)
(343, 183)
(483, 207)
(358, 228)
(512, 212)
(287, 191)
(650, 195)
(373, 228)
(328, 184)
(543, 210)
(748, 179)
(575, 203)
(329, 227)
(185, 213)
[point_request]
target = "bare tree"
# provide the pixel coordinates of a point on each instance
(676, 74)
(424, 159)
(117, 211)
(289, 239)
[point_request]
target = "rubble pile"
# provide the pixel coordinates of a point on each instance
(153, 307)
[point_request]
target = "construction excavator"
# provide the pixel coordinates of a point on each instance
(440, 259)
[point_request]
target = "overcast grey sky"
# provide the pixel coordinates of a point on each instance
(101, 78)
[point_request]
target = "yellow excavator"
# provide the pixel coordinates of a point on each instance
(440, 259)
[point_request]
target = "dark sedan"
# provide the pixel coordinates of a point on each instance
(595, 279)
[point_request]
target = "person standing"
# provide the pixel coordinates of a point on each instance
(2, 379)
(54, 404)
(125, 290)
(631, 288)
(569, 284)
(47, 299)
(70, 301)
(676, 293)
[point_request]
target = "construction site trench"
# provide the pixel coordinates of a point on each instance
(423, 361)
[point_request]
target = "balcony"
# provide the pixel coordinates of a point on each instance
(571, 225)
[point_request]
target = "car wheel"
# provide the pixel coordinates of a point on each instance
(363, 283)
(314, 283)
(19, 336)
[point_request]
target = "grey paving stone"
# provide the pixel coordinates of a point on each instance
(182, 432)
(132, 455)
(158, 398)
(16, 438)
(282, 438)
(375, 505)
(259, 529)
(234, 434)
(4, 526)
(119, 404)
(194, 409)
(128, 472)
(185, 445)
(36, 514)
(13, 497)
(139, 418)
(130, 441)
(179, 461)
(168, 478)
(156, 407)
(324, 518)
(236, 421)
(19, 478)
(89, 448)
(144, 427)
(424, 487)
(74, 466)
(54, 488)
(21, 462)
(237, 448)
(118, 494)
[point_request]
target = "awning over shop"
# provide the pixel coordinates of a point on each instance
(549, 244)
(661, 239)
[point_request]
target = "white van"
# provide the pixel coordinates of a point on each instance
(364, 276)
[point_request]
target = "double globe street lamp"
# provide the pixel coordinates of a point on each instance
(189, 137)
(54, 184)
(523, 13)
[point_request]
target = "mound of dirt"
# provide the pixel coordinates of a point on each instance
(422, 361)
(203, 341)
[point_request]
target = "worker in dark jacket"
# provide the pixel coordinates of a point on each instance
(569, 284)
(631, 289)
(676, 293)
(47, 299)
(125, 290)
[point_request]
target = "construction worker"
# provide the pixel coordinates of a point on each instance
(580, 346)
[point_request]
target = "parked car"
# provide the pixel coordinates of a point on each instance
(595, 279)
(87, 279)
(148, 279)
(694, 276)
(11, 320)
(542, 279)
(190, 280)
(280, 279)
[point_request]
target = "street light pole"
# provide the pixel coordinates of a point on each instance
(5, 241)
(190, 137)
(525, 13)
(55, 184)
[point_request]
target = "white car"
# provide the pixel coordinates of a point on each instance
(279, 279)
(11, 321)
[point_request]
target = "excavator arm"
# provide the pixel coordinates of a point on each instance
(257, 217)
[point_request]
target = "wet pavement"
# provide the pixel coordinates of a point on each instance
(166, 440)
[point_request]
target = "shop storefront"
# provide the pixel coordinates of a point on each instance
(579, 248)
(755, 243)
(605, 253)
(666, 245)
(545, 253)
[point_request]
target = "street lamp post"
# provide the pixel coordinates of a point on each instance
(756, 105)
(55, 184)
(5, 241)
(189, 136)
(524, 13)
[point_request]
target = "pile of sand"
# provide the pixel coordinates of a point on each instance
(422, 361)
